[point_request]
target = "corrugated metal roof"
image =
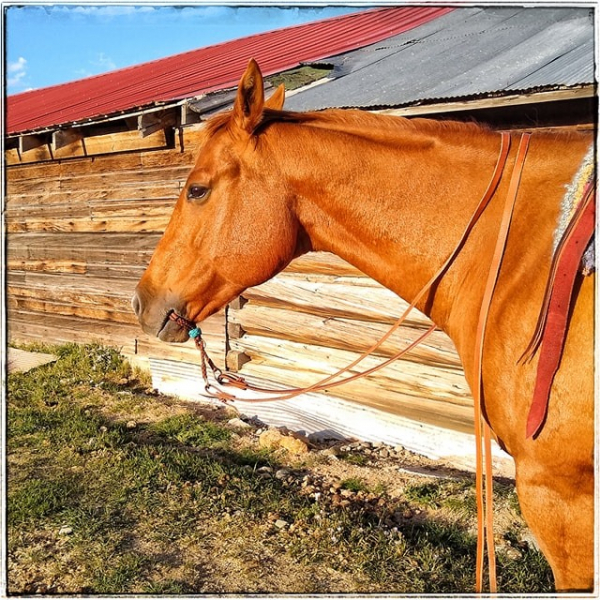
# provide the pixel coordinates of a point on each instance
(466, 53)
(207, 69)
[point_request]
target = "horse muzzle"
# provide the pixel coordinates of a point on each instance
(153, 315)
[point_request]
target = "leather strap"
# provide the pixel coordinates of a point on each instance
(485, 509)
(556, 308)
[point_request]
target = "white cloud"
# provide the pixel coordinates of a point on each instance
(101, 63)
(104, 63)
(16, 71)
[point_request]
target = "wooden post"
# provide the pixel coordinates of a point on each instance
(235, 360)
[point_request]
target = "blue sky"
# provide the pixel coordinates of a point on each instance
(51, 44)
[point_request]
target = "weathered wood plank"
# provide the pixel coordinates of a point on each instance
(168, 192)
(422, 393)
(125, 166)
(322, 263)
(94, 311)
(110, 143)
(139, 224)
(324, 296)
(343, 334)
(47, 266)
(305, 360)
(115, 247)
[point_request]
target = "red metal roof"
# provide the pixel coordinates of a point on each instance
(207, 69)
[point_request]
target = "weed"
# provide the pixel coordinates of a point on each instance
(354, 484)
(355, 458)
(188, 430)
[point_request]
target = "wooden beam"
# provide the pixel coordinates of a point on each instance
(34, 148)
(150, 123)
(188, 115)
(499, 102)
(67, 143)
(31, 142)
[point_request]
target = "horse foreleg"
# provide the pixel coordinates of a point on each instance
(559, 509)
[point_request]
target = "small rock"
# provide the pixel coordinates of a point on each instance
(331, 452)
(384, 453)
(65, 530)
(530, 540)
(238, 423)
(347, 493)
(265, 469)
(281, 473)
(294, 445)
(513, 553)
(281, 524)
(131, 425)
(273, 439)
(270, 438)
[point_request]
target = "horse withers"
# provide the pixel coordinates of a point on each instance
(391, 196)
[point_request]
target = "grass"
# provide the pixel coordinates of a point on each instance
(115, 490)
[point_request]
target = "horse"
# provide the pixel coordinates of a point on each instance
(391, 196)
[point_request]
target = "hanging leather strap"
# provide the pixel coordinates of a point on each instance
(485, 492)
(552, 330)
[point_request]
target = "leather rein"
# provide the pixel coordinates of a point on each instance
(483, 478)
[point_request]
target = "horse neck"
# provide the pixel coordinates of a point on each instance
(393, 199)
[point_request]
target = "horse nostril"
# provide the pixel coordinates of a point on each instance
(136, 304)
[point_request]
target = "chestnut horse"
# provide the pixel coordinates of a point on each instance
(392, 197)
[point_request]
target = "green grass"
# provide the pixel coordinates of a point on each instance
(147, 504)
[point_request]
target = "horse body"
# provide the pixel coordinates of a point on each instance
(392, 197)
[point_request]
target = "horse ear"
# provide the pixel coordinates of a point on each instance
(277, 99)
(250, 99)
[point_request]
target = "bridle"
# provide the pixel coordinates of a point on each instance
(482, 430)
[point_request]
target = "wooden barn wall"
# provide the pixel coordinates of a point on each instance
(320, 314)
(79, 235)
(81, 231)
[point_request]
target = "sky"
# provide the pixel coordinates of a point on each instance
(54, 43)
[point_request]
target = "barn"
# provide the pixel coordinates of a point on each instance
(93, 168)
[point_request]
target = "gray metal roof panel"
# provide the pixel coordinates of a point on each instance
(468, 52)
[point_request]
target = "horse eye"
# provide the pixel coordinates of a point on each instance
(197, 192)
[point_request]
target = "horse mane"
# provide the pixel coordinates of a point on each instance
(349, 121)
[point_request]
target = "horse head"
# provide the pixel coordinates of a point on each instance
(232, 226)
